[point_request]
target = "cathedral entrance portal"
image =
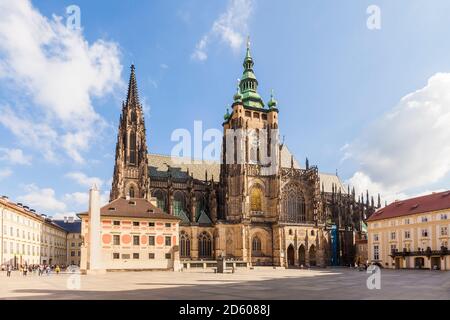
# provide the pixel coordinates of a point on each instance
(301, 256)
(290, 255)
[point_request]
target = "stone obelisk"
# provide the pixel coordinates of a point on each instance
(95, 249)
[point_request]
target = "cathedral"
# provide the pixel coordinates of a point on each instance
(244, 209)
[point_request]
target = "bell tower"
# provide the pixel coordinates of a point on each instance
(131, 166)
(250, 153)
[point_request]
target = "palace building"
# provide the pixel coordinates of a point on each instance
(285, 215)
(28, 237)
(412, 233)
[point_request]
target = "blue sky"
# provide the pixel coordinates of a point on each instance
(340, 87)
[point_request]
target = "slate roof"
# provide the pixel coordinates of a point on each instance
(158, 165)
(432, 202)
(70, 227)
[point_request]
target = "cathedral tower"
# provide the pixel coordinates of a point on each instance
(250, 162)
(131, 166)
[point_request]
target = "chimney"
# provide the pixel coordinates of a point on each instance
(70, 220)
(65, 219)
(154, 201)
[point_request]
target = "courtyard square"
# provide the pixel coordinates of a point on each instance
(261, 283)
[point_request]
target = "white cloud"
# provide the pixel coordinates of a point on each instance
(14, 156)
(229, 28)
(83, 180)
(42, 200)
(60, 72)
(77, 198)
(407, 148)
(4, 173)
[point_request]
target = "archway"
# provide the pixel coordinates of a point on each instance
(290, 255)
(312, 255)
(301, 255)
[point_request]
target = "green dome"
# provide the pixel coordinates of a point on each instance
(227, 115)
(238, 96)
(272, 102)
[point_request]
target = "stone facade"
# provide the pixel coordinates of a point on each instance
(263, 212)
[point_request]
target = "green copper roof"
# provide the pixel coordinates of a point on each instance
(249, 84)
(272, 102)
(203, 218)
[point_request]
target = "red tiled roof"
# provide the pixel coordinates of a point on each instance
(428, 203)
(133, 208)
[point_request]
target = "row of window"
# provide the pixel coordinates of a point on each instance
(137, 224)
(407, 234)
(136, 256)
(423, 219)
(21, 219)
(137, 240)
(376, 249)
(18, 234)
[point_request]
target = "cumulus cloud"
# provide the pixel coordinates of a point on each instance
(77, 198)
(14, 156)
(41, 199)
(84, 180)
(229, 28)
(408, 147)
(60, 72)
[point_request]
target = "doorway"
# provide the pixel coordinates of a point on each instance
(435, 263)
(290, 255)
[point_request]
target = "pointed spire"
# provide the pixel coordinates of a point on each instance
(132, 95)
(379, 201)
(307, 164)
(248, 84)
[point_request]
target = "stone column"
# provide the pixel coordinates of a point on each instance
(95, 246)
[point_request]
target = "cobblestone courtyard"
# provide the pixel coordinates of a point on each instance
(266, 283)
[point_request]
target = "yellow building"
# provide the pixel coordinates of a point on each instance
(412, 233)
(28, 237)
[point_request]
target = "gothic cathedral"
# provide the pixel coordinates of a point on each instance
(259, 207)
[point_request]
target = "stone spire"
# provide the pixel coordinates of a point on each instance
(131, 165)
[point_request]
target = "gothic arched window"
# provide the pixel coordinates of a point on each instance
(185, 245)
(293, 205)
(178, 202)
(256, 199)
(160, 199)
(131, 192)
(256, 245)
(204, 245)
(133, 147)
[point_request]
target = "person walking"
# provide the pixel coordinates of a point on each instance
(41, 270)
(48, 270)
(57, 269)
(8, 270)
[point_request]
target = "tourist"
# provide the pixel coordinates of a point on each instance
(47, 270)
(8, 270)
(57, 269)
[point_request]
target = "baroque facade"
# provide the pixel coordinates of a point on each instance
(259, 206)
